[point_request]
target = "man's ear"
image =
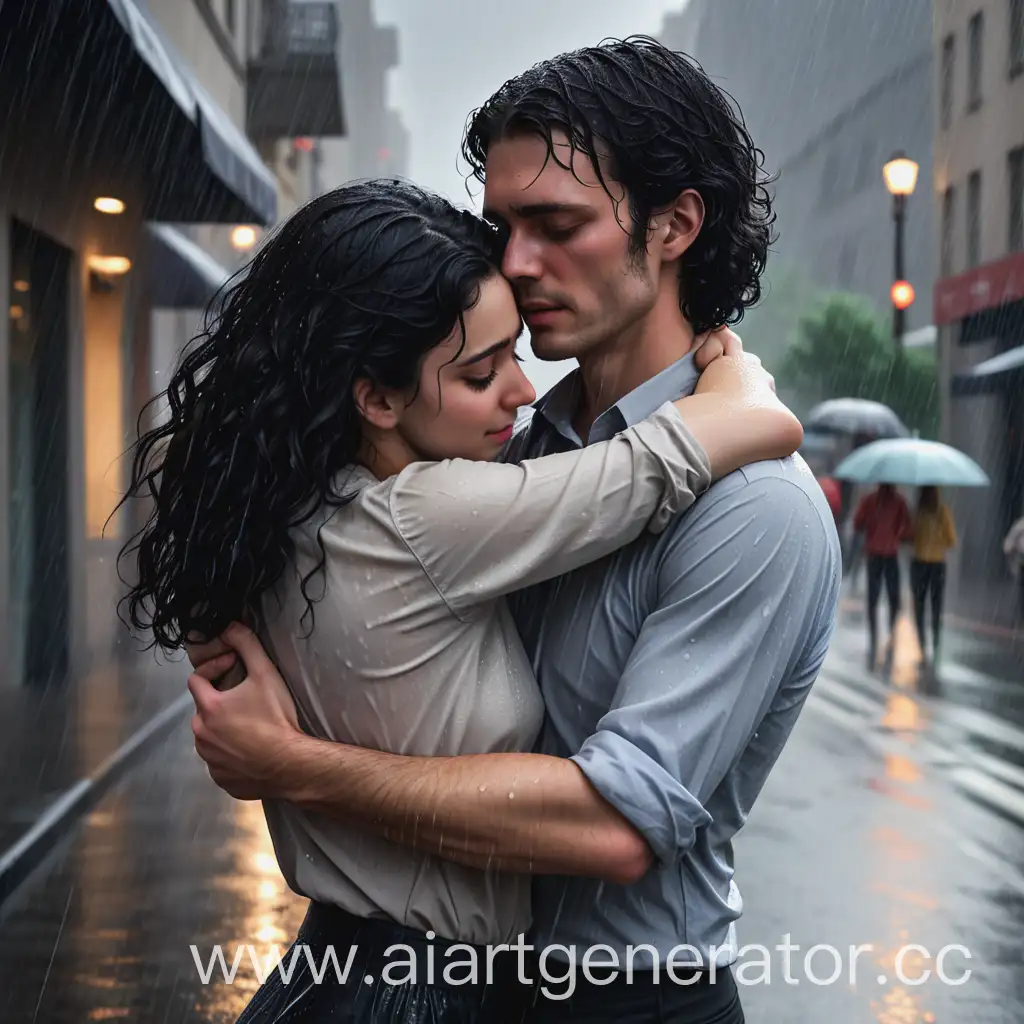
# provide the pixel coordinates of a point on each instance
(378, 406)
(682, 223)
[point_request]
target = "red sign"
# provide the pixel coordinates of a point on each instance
(986, 287)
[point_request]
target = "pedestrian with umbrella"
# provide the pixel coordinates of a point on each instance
(884, 519)
(862, 421)
(934, 535)
(1013, 548)
(928, 465)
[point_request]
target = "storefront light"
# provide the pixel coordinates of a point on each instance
(108, 204)
(243, 237)
(110, 264)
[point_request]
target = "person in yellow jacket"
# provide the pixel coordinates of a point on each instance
(934, 535)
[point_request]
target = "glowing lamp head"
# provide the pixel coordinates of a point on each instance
(900, 175)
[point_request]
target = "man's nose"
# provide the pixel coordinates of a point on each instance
(521, 259)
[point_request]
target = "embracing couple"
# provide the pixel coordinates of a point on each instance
(497, 683)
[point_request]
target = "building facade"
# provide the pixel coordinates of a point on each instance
(376, 141)
(979, 244)
(131, 152)
(829, 92)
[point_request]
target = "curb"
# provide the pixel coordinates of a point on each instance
(21, 859)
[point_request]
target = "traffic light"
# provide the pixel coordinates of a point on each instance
(902, 294)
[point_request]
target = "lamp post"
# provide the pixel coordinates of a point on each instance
(900, 178)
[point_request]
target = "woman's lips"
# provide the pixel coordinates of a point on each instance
(504, 434)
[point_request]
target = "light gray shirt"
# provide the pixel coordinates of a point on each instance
(412, 648)
(673, 672)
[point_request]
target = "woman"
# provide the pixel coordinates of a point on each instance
(329, 478)
(934, 535)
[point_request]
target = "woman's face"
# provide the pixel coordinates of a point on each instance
(467, 400)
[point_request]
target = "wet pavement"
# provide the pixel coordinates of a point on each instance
(893, 818)
(52, 737)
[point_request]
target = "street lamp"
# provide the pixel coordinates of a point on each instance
(900, 178)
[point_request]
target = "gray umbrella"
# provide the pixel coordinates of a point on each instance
(856, 416)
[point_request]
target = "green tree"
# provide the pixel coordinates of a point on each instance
(772, 326)
(845, 351)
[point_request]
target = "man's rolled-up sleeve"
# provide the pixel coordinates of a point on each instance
(747, 580)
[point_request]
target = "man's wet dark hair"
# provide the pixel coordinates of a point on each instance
(664, 127)
(362, 282)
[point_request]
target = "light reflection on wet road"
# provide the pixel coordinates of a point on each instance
(861, 838)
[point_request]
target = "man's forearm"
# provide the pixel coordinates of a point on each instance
(514, 812)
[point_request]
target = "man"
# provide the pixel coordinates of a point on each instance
(673, 671)
(884, 519)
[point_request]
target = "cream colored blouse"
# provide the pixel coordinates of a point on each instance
(413, 650)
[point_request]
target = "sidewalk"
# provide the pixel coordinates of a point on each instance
(62, 747)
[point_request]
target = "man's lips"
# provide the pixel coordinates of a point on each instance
(541, 314)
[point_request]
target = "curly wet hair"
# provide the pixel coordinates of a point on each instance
(664, 127)
(362, 282)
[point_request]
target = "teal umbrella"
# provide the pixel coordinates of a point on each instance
(913, 463)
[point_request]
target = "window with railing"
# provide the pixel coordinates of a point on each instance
(973, 219)
(975, 41)
(946, 80)
(948, 229)
(1016, 37)
(1016, 179)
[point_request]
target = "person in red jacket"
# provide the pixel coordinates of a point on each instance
(884, 519)
(833, 495)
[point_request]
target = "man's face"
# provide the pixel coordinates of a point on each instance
(576, 283)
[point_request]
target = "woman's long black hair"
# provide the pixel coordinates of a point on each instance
(360, 283)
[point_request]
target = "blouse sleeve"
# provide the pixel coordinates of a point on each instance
(483, 529)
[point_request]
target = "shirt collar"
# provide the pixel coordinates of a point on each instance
(557, 407)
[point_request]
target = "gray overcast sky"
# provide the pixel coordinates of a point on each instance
(455, 53)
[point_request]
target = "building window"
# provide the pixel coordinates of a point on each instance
(1017, 200)
(946, 85)
(973, 219)
(948, 227)
(975, 31)
(1016, 37)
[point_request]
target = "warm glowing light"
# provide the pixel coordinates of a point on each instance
(110, 264)
(264, 863)
(270, 933)
(108, 204)
(17, 312)
(267, 890)
(902, 294)
(21, 286)
(304, 144)
(243, 237)
(900, 175)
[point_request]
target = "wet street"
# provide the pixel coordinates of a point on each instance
(893, 820)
